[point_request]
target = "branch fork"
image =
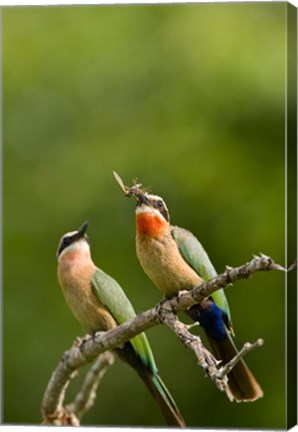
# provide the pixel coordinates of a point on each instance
(217, 373)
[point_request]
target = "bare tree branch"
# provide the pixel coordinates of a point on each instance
(206, 360)
(164, 312)
(247, 347)
(86, 396)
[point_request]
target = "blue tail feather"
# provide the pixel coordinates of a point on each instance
(211, 318)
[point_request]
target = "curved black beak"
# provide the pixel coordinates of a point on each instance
(142, 199)
(81, 232)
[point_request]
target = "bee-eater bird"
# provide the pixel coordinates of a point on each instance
(175, 260)
(99, 304)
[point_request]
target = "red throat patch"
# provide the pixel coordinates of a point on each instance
(150, 224)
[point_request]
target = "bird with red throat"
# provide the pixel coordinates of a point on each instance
(175, 260)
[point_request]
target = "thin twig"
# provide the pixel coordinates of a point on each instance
(247, 347)
(86, 396)
(205, 359)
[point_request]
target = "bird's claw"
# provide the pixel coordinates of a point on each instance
(97, 335)
(181, 294)
(190, 326)
(84, 340)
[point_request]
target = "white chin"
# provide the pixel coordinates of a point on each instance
(144, 208)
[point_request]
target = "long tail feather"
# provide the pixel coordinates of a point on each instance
(243, 386)
(155, 385)
(164, 400)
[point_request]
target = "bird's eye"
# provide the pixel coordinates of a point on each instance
(159, 203)
(66, 242)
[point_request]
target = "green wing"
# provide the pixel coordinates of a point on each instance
(111, 295)
(196, 256)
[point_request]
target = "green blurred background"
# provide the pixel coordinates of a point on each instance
(190, 100)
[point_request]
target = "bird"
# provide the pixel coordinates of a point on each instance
(99, 304)
(175, 260)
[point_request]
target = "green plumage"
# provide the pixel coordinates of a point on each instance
(137, 352)
(196, 256)
(112, 296)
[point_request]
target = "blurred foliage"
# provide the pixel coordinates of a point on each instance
(187, 98)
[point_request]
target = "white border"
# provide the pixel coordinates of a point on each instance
(23, 3)
(110, 2)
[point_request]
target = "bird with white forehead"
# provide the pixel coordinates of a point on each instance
(175, 260)
(99, 304)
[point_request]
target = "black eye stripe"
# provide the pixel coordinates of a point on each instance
(65, 242)
(160, 206)
(71, 238)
